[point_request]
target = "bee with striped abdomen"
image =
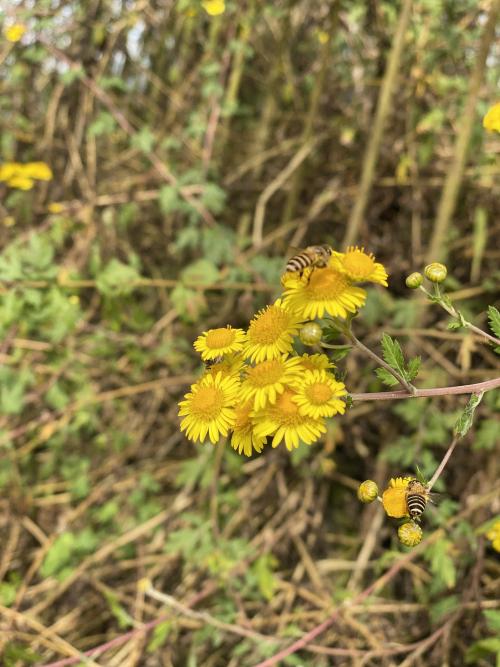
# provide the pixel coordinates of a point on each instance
(417, 496)
(314, 256)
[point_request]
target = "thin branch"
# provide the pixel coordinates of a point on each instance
(476, 388)
(441, 466)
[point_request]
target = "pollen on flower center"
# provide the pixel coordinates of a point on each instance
(319, 393)
(326, 283)
(267, 372)
(217, 338)
(358, 263)
(269, 326)
(208, 403)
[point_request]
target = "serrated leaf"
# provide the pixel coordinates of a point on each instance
(386, 377)
(393, 354)
(465, 420)
(494, 320)
(413, 368)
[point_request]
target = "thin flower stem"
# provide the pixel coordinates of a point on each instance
(476, 388)
(357, 343)
(480, 332)
(441, 466)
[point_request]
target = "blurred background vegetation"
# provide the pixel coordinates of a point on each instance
(189, 146)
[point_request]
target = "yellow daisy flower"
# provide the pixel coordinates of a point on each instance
(229, 366)
(284, 422)
(265, 381)
(494, 535)
(55, 207)
(359, 266)
(209, 408)
(394, 497)
(14, 32)
(20, 182)
(216, 342)
(491, 121)
(244, 440)
(271, 332)
(214, 7)
(318, 394)
(10, 169)
(318, 362)
(326, 291)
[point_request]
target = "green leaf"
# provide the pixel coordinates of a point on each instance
(393, 354)
(441, 563)
(143, 140)
(480, 649)
(265, 577)
(160, 635)
(117, 279)
(465, 420)
(169, 199)
(413, 368)
(492, 617)
(444, 607)
(102, 125)
(386, 377)
(494, 320)
(487, 435)
(201, 272)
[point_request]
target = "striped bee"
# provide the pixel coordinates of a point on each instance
(417, 496)
(315, 256)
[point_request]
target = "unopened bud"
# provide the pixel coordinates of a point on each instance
(410, 534)
(311, 333)
(435, 272)
(414, 280)
(367, 491)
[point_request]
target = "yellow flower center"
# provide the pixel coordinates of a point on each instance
(207, 403)
(357, 263)
(326, 284)
(265, 373)
(269, 326)
(218, 338)
(319, 393)
(286, 411)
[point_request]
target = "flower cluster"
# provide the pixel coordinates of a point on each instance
(14, 32)
(491, 121)
(255, 385)
(394, 500)
(23, 176)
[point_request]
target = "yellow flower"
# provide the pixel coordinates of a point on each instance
(323, 37)
(318, 362)
(265, 381)
(271, 333)
(14, 32)
(318, 394)
(491, 121)
(20, 182)
(214, 7)
(40, 171)
(55, 207)
(9, 221)
(216, 342)
(494, 535)
(230, 366)
(410, 534)
(244, 440)
(394, 497)
(10, 169)
(284, 422)
(209, 408)
(359, 266)
(326, 291)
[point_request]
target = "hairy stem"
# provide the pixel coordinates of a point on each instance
(441, 466)
(476, 388)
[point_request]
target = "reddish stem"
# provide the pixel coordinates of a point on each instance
(476, 388)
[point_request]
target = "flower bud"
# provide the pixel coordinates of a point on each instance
(410, 534)
(367, 491)
(310, 333)
(435, 272)
(414, 280)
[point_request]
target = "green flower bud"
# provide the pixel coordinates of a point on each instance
(410, 534)
(435, 272)
(311, 333)
(414, 280)
(367, 491)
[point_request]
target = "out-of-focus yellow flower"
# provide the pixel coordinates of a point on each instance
(9, 221)
(40, 171)
(214, 7)
(21, 176)
(394, 497)
(74, 299)
(491, 121)
(494, 535)
(323, 37)
(14, 32)
(55, 207)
